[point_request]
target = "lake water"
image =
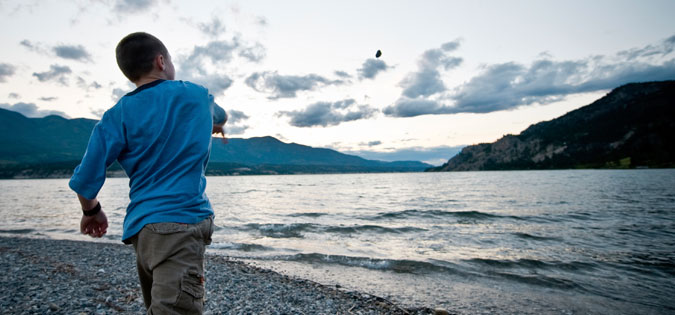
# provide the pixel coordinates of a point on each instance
(521, 242)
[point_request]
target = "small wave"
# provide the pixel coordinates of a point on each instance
(296, 230)
(244, 192)
(466, 215)
(431, 266)
(308, 214)
(244, 247)
(580, 216)
(507, 269)
(372, 228)
(400, 266)
(574, 266)
(656, 263)
(540, 280)
(535, 237)
(280, 230)
(18, 231)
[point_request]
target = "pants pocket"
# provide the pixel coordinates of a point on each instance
(210, 231)
(191, 295)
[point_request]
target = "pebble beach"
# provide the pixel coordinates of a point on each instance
(44, 276)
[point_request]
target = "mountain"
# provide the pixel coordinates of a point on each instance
(268, 155)
(52, 146)
(269, 150)
(51, 139)
(631, 127)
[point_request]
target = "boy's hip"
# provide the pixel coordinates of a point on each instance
(202, 230)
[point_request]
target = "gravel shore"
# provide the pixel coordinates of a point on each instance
(41, 276)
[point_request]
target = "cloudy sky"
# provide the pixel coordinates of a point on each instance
(452, 73)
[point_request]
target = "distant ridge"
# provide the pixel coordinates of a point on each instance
(52, 146)
(631, 127)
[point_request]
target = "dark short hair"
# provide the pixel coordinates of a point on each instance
(136, 52)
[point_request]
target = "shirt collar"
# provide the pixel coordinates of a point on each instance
(145, 87)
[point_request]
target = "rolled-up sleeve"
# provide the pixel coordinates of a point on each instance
(218, 113)
(105, 144)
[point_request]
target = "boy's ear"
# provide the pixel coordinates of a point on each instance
(160, 63)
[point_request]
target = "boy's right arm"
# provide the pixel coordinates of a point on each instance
(219, 119)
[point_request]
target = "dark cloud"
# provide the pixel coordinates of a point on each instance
(194, 67)
(133, 6)
(199, 66)
(83, 84)
(31, 110)
(423, 83)
(427, 81)
(214, 29)
(374, 143)
(328, 114)
(219, 51)
(432, 155)
(284, 86)
(661, 49)
(508, 85)
(406, 107)
(26, 43)
(48, 99)
(450, 46)
(6, 71)
(38, 48)
(14, 95)
(56, 73)
(254, 53)
(72, 52)
(234, 116)
(371, 67)
(216, 83)
(117, 93)
(343, 74)
(78, 52)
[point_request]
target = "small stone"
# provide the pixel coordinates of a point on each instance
(440, 311)
(53, 307)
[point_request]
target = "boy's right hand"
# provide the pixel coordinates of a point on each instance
(95, 225)
(219, 129)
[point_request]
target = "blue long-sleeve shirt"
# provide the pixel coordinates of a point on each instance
(161, 135)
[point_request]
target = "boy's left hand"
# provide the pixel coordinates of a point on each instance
(95, 225)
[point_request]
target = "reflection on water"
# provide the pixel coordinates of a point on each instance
(592, 241)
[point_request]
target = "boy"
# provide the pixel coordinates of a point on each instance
(161, 135)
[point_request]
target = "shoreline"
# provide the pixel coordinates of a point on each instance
(80, 277)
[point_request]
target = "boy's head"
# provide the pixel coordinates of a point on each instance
(137, 55)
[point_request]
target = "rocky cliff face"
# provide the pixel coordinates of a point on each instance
(632, 126)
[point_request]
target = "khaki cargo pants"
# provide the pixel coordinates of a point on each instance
(170, 261)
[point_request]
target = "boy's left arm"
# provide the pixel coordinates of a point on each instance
(105, 144)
